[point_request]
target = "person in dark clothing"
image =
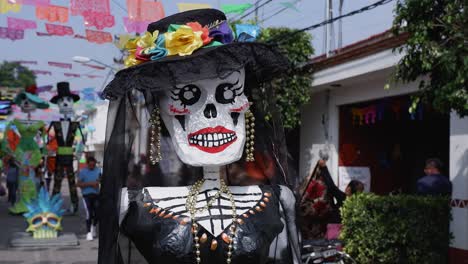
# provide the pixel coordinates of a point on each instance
(335, 195)
(319, 202)
(88, 181)
(354, 187)
(434, 183)
(12, 180)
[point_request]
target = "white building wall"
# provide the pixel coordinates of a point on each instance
(95, 140)
(459, 177)
(313, 132)
(379, 61)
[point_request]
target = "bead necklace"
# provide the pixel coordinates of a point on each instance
(191, 204)
(191, 208)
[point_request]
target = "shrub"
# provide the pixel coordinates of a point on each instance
(396, 229)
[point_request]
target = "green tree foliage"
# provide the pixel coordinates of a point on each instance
(14, 75)
(437, 48)
(291, 92)
(396, 229)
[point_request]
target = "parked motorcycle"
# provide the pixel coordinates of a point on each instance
(324, 252)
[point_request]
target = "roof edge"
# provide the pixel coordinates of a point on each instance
(374, 44)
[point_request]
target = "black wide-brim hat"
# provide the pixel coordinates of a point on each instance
(262, 61)
(63, 90)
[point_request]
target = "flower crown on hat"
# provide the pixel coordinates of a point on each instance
(181, 40)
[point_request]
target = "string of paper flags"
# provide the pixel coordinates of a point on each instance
(63, 65)
(375, 112)
(96, 14)
(67, 74)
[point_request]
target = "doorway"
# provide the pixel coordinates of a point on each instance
(394, 144)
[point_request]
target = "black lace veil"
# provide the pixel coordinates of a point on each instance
(134, 93)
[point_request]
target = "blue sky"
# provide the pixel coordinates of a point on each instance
(62, 49)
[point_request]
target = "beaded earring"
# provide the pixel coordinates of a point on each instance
(155, 137)
(249, 136)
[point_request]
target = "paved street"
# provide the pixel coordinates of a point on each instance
(84, 253)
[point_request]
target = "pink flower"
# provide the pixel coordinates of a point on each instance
(205, 32)
(140, 55)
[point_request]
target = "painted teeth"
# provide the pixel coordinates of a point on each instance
(212, 140)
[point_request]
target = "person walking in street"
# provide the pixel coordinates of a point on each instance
(12, 173)
(434, 183)
(88, 181)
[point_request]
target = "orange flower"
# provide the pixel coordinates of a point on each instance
(205, 32)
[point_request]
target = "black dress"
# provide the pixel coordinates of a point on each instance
(167, 237)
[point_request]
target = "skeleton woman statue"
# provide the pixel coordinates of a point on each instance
(21, 142)
(65, 130)
(209, 92)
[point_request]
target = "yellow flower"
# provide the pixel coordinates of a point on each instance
(137, 46)
(131, 47)
(123, 39)
(183, 41)
(131, 60)
(132, 44)
(148, 40)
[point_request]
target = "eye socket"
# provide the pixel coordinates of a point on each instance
(187, 95)
(36, 220)
(226, 93)
(52, 220)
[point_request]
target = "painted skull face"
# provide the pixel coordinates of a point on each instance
(206, 119)
(45, 225)
(27, 106)
(65, 105)
(44, 215)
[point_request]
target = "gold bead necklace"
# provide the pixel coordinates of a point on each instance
(193, 210)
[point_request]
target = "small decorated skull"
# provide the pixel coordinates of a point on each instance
(65, 105)
(45, 215)
(44, 225)
(206, 119)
